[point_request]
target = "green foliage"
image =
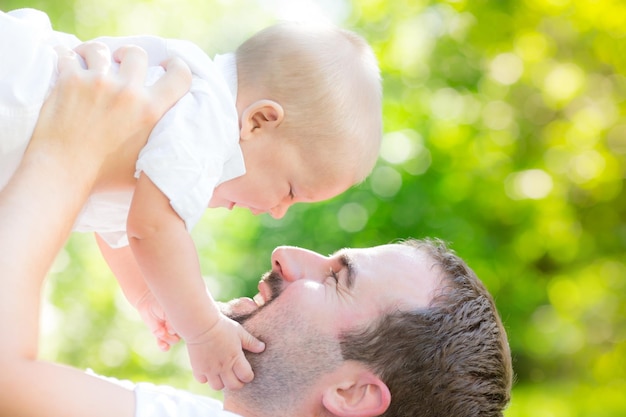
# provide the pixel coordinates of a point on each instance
(505, 134)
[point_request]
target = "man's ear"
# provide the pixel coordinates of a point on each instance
(361, 394)
(260, 114)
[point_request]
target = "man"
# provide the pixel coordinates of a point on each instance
(398, 330)
(395, 330)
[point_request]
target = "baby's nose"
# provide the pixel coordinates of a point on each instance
(279, 211)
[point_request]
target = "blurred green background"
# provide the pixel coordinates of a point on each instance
(505, 135)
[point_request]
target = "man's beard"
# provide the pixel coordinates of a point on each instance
(296, 355)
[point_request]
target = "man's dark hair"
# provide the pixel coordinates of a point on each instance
(449, 359)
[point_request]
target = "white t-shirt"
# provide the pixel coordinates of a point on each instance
(164, 401)
(192, 149)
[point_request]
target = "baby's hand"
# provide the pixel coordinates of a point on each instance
(217, 355)
(153, 315)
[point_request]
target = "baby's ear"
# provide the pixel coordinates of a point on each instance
(262, 114)
(358, 394)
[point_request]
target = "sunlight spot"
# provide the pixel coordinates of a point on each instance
(586, 166)
(411, 46)
(591, 120)
(565, 295)
(352, 217)
(616, 139)
(506, 68)
(309, 11)
(533, 184)
(564, 82)
(398, 147)
(545, 319)
(447, 104)
(386, 182)
(420, 163)
(498, 115)
(531, 46)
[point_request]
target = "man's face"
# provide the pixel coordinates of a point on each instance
(349, 288)
(307, 300)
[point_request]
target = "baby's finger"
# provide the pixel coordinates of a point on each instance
(251, 343)
(133, 63)
(170, 329)
(201, 378)
(242, 370)
(163, 345)
(97, 56)
(215, 381)
(231, 381)
(169, 338)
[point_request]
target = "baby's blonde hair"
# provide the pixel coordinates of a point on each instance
(328, 82)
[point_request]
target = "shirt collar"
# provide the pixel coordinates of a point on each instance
(227, 66)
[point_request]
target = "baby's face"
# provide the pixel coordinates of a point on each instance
(277, 176)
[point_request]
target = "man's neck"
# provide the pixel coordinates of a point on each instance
(233, 406)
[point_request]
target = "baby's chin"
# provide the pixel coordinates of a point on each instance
(239, 309)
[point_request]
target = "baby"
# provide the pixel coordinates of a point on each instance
(294, 115)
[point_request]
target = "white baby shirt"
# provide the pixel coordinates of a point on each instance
(191, 150)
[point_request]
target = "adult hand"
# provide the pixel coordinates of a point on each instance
(92, 111)
(89, 113)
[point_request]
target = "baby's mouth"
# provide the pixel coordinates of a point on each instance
(239, 307)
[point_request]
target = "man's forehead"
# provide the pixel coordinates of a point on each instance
(409, 268)
(381, 250)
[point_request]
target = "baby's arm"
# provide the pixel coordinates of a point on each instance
(166, 255)
(125, 268)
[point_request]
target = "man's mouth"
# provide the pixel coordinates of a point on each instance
(259, 300)
(265, 293)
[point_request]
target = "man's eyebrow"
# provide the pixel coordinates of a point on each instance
(347, 262)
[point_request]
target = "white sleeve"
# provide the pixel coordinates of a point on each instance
(163, 401)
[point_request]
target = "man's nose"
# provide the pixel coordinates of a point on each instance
(293, 263)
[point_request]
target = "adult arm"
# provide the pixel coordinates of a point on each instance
(78, 128)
